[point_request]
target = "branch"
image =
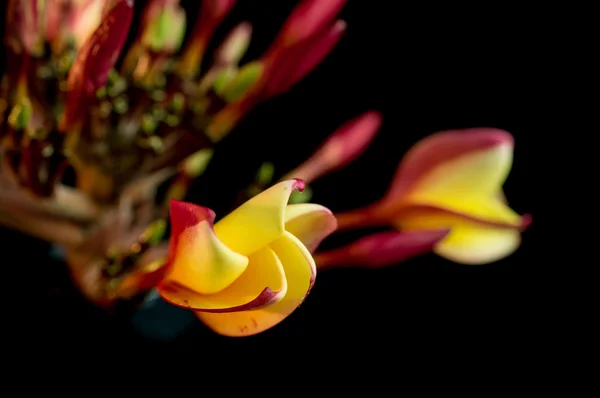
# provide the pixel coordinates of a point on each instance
(51, 230)
(67, 203)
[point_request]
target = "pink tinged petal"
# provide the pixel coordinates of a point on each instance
(184, 215)
(202, 263)
(437, 150)
(469, 185)
(96, 58)
(263, 283)
(341, 148)
(204, 274)
(381, 249)
(309, 18)
(300, 272)
(310, 223)
(304, 59)
(197, 258)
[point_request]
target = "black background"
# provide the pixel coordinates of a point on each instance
(426, 68)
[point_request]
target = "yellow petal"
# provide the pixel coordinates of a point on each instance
(263, 283)
(469, 241)
(259, 221)
(477, 244)
(470, 184)
(202, 263)
(310, 223)
(300, 272)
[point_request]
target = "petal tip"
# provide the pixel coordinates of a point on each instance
(193, 214)
(374, 115)
(298, 184)
(526, 221)
(495, 137)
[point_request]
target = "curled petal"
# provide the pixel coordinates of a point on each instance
(308, 18)
(471, 240)
(204, 264)
(259, 221)
(184, 215)
(198, 260)
(300, 273)
(310, 223)
(481, 155)
(381, 249)
(470, 183)
(341, 148)
(263, 283)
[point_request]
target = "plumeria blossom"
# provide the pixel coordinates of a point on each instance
(91, 127)
(446, 196)
(250, 270)
(100, 140)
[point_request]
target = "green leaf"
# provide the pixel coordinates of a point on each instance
(223, 79)
(155, 232)
(167, 30)
(20, 115)
(196, 163)
(248, 75)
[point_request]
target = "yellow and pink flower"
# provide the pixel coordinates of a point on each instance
(446, 196)
(249, 271)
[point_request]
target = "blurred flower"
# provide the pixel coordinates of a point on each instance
(77, 103)
(340, 149)
(253, 268)
(381, 249)
(450, 181)
(100, 139)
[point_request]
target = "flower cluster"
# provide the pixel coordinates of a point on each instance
(91, 127)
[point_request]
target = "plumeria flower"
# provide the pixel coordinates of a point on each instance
(91, 126)
(446, 196)
(250, 270)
